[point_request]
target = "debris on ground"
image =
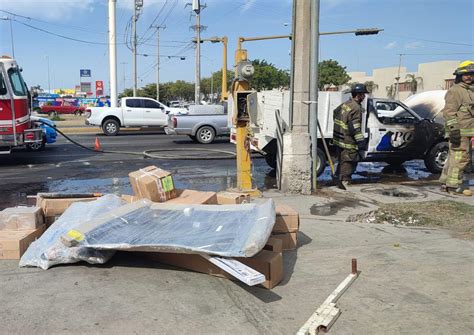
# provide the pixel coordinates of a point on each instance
(446, 214)
(223, 234)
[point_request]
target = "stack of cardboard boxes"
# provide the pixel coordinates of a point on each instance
(22, 225)
(19, 227)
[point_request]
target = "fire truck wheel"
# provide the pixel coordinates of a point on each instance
(110, 127)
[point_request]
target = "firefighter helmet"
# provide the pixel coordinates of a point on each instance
(466, 67)
(359, 88)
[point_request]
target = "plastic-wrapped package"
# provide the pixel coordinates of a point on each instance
(48, 250)
(223, 230)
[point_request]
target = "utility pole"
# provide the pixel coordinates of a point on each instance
(158, 61)
(112, 54)
(136, 14)
(397, 92)
(314, 90)
(296, 160)
(197, 7)
(5, 18)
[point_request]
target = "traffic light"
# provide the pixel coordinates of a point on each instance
(371, 31)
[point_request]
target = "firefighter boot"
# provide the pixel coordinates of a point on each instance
(460, 191)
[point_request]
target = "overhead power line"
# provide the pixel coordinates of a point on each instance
(59, 35)
(431, 41)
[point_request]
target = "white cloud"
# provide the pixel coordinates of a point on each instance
(49, 10)
(414, 45)
(390, 45)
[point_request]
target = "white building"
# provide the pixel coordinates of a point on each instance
(430, 76)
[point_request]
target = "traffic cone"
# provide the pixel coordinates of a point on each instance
(97, 145)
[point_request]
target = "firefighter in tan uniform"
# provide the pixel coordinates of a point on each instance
(458, 113)
(347, 135)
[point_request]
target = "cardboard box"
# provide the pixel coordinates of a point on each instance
(13, 244)
(287, 220)
(229, 198)
(289, 240)
(21, 218)
(191, 197)
(57, 206)
(153, 183)
(274, 244)
(268, 263)
(48, 221)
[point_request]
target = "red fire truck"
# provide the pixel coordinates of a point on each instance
(16, 127)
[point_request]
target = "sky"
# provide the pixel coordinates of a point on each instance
(422, 30)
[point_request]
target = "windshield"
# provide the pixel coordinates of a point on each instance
(18, 85)
(3, 88)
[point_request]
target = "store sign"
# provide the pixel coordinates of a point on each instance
(86, 87)
(99, 88)
(85, 73)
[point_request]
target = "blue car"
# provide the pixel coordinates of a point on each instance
(49, 131)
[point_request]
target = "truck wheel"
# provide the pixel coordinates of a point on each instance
(321, 162)
(53, 114)
(205, 135)
(37, 146)
(110, 127)
(437, 157)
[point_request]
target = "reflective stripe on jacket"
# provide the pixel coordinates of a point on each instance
(347, 125)
(458, 111)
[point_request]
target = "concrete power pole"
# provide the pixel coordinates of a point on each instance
(314, 90)
(158, 61)
(136, 13)
(197, 87)
(112, 54)
(296, 162)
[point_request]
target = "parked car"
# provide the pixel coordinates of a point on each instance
(50, 133)
(202, 123)
(133, 112)
(64, 108)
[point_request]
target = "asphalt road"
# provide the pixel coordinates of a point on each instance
(65, 167)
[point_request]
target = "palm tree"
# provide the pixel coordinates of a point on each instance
(371, 86)
(391, 90)
(413, 81)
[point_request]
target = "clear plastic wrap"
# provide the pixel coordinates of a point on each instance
(48, 250)
(223, 230)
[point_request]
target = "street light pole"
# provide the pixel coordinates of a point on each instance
(11, 34)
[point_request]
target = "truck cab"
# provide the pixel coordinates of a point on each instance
(16, 128)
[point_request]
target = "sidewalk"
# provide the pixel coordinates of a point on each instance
(412, 280)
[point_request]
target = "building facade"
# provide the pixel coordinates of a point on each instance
(430, 76)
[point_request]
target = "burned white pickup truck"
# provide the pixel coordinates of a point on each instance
(395, 132)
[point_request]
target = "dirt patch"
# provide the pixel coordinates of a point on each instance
(446, 214)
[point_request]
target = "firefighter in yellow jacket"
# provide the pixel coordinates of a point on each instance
(347, 135)
(458, 113)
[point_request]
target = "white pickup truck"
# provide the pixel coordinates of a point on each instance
(132, 112)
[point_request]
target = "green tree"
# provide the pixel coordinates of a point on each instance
(413, 81)
(267, 76)
(331, 73)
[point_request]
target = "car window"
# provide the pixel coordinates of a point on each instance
(3, 87)
(391, 112)
(151, 104)
(133, 103)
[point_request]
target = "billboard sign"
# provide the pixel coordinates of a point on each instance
(85, 73)
(86, 87)
(99, 88)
